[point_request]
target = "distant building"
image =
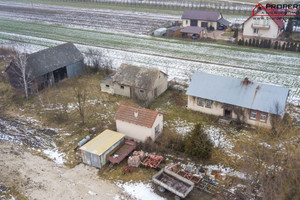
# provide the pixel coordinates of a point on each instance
(47, 67)
(205, 19)
(136, 82)
(173, 31)
(138, 123)
(95, 151)
(262, 25)
(194, 32)
(250, 102)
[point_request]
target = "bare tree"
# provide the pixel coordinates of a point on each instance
(21, 69)
(81, 96)
(98, 61)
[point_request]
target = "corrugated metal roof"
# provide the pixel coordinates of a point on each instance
(144, 118)
(192, 29)
(224, 22)
(256, 96)
(102, 142)
(200, 15)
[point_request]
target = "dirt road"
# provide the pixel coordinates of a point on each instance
(38, 178)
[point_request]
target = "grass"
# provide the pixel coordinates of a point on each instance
(228, 34)
(295, 37)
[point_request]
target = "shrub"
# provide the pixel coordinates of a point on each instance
(283, 46)
(236, 33)
(197, 143)
(276, 45)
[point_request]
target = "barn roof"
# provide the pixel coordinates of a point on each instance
(101, 143)
(138, 77)
(145, 117)
(256, 96)
(201, 15)
(53, 58)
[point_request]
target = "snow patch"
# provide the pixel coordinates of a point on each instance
(139, 191)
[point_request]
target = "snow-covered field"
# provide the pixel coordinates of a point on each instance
(93, 19)
(176, 57)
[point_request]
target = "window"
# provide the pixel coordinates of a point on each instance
(266, 22)
(253, 114)
(156, 130)
(107, 85)
(208, 104)
(141, 91)
(256, 21)
(186, 21)
(200, 102)
(263, 117)
(122, 86)
(255, 31)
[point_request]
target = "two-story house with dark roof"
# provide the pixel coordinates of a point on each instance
(204, 19)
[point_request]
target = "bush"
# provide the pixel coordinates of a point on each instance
(276, 45)
(197, 143)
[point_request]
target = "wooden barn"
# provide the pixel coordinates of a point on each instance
(47, 67)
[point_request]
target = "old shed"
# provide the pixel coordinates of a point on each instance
(136, 82)
(47, 67)
(94, 152)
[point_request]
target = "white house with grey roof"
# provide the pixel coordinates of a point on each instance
(47, 67)
(250, 102)
(136, 82)
(205, 19)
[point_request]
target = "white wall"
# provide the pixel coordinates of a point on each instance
(109, 89)
(137, 132)
(218, 110)
(271, 33)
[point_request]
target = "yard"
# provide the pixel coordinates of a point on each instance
(53, 112)
(53, 126)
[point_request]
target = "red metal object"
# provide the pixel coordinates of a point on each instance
(121, 151)
(172, 166)
(152, 161)
(191, 177)
(127, 169)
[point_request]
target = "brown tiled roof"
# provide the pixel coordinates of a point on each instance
(145, 117)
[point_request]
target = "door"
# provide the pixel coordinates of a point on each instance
(194, 22)
(227, 113)
(88, 158)
(204, 24)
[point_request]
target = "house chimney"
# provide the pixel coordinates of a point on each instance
(136, 114)
(246, 82)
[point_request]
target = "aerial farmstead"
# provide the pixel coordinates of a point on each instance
(149, 100)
